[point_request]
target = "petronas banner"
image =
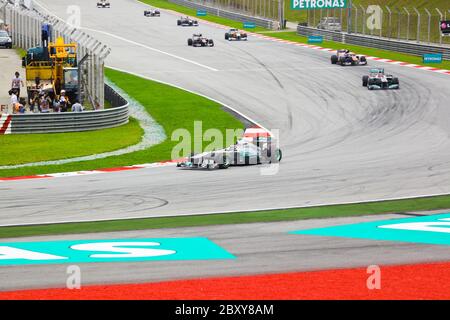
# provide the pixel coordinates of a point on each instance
(318, 4)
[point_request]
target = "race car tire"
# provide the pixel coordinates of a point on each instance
(342, 61)
(365, 81)
(276, 157)
(227, 36)
(334, 59)
(363, 60)
(179, 22)
(226, 163)
(279, 155)
(211, 43)
(190, 42)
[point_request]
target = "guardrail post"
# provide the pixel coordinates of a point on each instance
(439, 30)
(389, 22)
(349, 17)
(418, 24)
(364, 22)
(381, 21)
(398, 23)
(429, 24)
(407, 24)
(356, 19)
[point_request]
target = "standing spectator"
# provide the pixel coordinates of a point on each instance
(14, 99)
(63, 101)
(17, 83)
(77, 107)
(44, 104)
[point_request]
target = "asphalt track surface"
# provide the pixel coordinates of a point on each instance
(341, 143)
(259, 248)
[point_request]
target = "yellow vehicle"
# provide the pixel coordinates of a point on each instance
(52, 69)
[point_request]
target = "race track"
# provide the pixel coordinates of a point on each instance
(341, 143)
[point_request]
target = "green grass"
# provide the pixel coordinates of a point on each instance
(164, 4)
(172, 108)
(346, 210)
(293, 36)
(29, 148)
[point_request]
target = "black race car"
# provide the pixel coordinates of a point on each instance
(198, 40)
(103, 4)
(346, 58)
(152, 13)
(187, 22)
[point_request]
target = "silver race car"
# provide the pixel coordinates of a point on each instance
(247, 151)
(377, 79)
(187, 22)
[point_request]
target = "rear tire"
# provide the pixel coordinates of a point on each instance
(190, 42)
(227, 36)
(226, 163)
(211, 43)
(365, 81)
(178, 22)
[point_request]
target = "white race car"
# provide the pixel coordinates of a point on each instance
(250, 150)
(152, 13)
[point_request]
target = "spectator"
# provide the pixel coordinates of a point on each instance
(17, 83)
(14, 99)
(63, 101)
(77, 107)
(44, 104)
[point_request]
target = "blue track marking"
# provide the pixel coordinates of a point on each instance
(433, 229)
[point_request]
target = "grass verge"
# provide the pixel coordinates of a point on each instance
(172, 108)
(19, 149)
(164, 4)
(293, 36)
(345, 210)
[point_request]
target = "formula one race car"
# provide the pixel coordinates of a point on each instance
(187, 22)
(152, 13)
(346, 58)
(247, 151)
(235, 34)
(377, 79)
(198, 40)
(103, 4)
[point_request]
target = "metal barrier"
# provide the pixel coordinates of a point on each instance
(73, 121)
(376, 42)
(261, 22)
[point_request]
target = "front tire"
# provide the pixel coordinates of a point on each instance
(334, 59)
(190, 42)
(365, 81)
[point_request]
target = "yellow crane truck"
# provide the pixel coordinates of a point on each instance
(51, 69)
